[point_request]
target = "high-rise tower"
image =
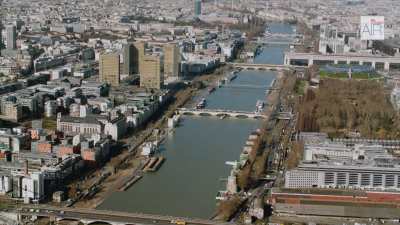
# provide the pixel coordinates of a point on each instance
(197, 8)
(11, 32)
(109, 68)
(171, 60)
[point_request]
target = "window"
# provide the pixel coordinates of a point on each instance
(389, 180)
(329, 178)
(35, 188)
(365, 179)
(398, 181)
(353, 179)
(341, 179)
(377, 180)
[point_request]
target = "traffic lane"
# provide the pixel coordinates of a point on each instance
(104, 217)
(96, 217)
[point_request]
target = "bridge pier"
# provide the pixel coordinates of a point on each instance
(310, 62)
(373, 64)
(286, 61)
(386, 66)
(19, 218)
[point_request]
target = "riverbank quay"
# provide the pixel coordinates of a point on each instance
(129, 161)
(251, 175)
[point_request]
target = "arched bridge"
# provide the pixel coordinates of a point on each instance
(253, 66)
(221, 112)
(88, 216)
(249, 86)
(276, 42)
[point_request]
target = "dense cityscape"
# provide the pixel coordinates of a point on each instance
(204, 112)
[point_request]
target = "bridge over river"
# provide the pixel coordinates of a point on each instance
(221, 112)
(310, 58)
(89, 216)
(253, 66)
(233, 113)
(249, 86)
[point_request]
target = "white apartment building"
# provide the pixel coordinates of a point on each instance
(5, 183)
(395, 98)
(22, 184)
(31, 185)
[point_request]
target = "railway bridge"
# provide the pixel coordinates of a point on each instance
(386, 62)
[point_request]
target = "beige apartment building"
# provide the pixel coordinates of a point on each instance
(138, 53)
(171, 60)
(109, 68)
(11, 111)
(151, 74)
(131, 55)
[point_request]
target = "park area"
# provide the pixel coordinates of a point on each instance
(348, 72)
(339, 107)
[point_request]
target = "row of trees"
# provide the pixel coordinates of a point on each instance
(381, 46)
(255, 27)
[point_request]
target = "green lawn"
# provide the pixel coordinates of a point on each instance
(324, 74)
(362, 76)
(49, 123)
(6, 204)
(299, 87)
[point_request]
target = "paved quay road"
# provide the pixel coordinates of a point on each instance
(109, 216)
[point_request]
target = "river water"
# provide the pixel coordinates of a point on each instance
(274, 54)
(188, 181)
